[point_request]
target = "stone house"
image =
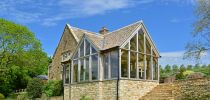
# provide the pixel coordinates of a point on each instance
(122, 64)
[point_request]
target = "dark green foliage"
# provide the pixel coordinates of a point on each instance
(21, 57)
(53, 88)
(34, 88)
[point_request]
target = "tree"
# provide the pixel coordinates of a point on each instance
(197, 66)
(180, 75)
(34, 88)
(21, 56)
(168, 68)
(182, 68)
(201, 32)
(189, 67)
(175, 68)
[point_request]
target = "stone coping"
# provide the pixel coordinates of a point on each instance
(204, 78)
(131, 79)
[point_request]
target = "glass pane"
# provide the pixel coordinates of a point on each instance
(75, 71)
(155, 69)
(114, 64)
(93, 50)
(133, 67)
(124, 63)
(133, 44)
(106, 66)
(126, 46)
(148, 71)
(87, 69)
(82, 49)
(82, 70)
(141, 66)
(141, 41)
(87, 47)
(148, 50)
(66, 73)
(94, 67)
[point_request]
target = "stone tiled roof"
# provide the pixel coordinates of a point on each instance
(95, 38)
(118, 37)
(109, 40)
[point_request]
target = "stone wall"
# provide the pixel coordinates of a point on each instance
(66, 43)
(66, 92)
(135, 89)
(105, 90)
(192, 89)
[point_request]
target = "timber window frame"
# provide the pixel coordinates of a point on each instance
(86, 70)
(135, 70)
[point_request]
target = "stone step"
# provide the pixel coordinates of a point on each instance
(161, 92)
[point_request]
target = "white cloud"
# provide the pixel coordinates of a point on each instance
(177, 58)
(48, 12)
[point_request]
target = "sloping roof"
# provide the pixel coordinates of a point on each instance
(109, 40)
(117, 38)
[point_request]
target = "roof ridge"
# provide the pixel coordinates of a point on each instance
(88, 32)
(140, 21)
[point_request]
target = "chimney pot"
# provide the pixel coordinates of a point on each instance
(103, 31)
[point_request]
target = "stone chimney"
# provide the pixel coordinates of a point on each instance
(104, 31)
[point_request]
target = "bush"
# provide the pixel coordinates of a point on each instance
(22, 97)
(1, 96)
(85, 98)
(53, 88)
(34, 88)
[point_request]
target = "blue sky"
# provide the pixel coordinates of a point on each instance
(169, 22)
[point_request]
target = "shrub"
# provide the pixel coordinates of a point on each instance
(1, 96)
(34, 88)
(85, 98)
(22, 97)
(187, 72)
(53, 88)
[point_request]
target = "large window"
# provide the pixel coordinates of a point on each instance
(75, 71)
(133, 65)
(66, 73)
(106, 66)
(137, 60)
(85, 63)
(114, 64)
(94, 64)
(124, 63)
(111, 65)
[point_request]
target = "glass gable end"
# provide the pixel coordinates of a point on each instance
(85, 63)
(138, 59)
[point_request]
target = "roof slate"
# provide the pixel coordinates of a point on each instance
(109, 40)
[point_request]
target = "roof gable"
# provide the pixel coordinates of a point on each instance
(112, 39)
(148, 37)
(118, 37)
(86, 38)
